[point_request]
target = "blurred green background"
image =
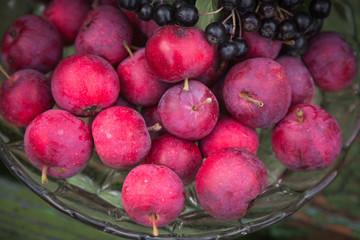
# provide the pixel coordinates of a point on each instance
(333, 214)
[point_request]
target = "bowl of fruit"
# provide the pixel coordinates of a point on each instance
(179, 119)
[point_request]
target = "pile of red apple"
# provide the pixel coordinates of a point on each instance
(196, 116)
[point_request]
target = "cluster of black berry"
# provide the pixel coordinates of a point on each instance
(181, 12)
(289, 21)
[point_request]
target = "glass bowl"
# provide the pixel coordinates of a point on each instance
(94, 196)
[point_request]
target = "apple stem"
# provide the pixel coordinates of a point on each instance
(5, 74)
(248, 97)
(214, 12)
(155, 229)
(44, 174)
(134, 47)
(208, 100)
(186, 84)
(126, 46)
(300, 115)
(156, 127)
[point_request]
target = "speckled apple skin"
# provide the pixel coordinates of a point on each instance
(178, 117)
(25, 96)
(229, 133)
(266, 81)
(37, 44)
(67, 16)
(331, 61)
(102, 33)
(153, 189)
(59, 140)
(260, 46)
(174, 53)
(312, 145)
(138, 84)
(181, 156)
(121, 137)
(85, 84)
(228, 181)
(302, 83)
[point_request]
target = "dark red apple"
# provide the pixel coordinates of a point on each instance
(58, 143)
(257, 92)
(228, 181)
(191, 114)
(181, 156)
(67, 16)
(138, 84)
(24, 95)
(331, 61)
(175, 53)
(103, 33)
(153, 195)
(31, 42)
(85, 84)
(121, 137)
(308, 138)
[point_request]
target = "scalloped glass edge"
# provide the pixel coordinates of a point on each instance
(240, 228)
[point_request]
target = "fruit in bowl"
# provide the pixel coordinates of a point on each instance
(216, 170)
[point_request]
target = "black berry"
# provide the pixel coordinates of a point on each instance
(287, 30)
(146, 12)
(314, 27)
(179, 3)
(187, 15)
(302, 20)
(164, 14)
(227, 50)
(298, 49)
(229, 4)
(241, 47)
(215, 33)
(247, 6)
(250, 22)
(320, 8)
(131, 5)
(267, 9)
(268, 27)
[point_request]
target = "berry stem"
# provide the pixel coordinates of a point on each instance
(155, 229)
(280, 14)
(240, 25)
(186, 84)
(5, 74)
(286, 11)
(126, 46)
(234, 24)
(227, 18)
(156, 127)
(209, 13)
(44, 174)
(207, 100)
(300, 115)
(248, 97)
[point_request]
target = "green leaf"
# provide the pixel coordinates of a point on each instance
(207, 6)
